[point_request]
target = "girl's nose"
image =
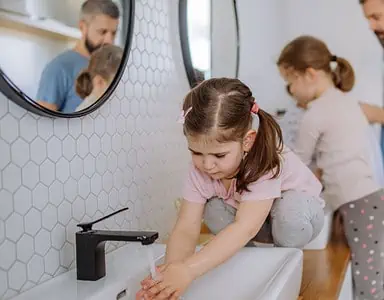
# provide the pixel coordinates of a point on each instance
(208, 164)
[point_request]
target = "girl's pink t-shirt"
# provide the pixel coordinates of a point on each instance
(295, 175)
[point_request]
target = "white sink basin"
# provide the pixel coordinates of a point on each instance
(252, 274)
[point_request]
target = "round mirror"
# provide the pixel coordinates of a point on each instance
(209, 34)
(63, 58)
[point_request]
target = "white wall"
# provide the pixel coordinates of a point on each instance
(224, 41)
(266, 26)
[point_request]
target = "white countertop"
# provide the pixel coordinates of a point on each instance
(122, 263)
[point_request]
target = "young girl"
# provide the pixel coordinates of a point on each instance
(238, 177)
(334, 127)
(92, 82)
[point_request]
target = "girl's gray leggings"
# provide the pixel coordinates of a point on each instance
(364, 228)
(295, 219)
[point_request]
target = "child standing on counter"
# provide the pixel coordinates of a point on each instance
(335, 128)
(239, 177)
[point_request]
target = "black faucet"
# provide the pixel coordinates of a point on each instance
(90, 246)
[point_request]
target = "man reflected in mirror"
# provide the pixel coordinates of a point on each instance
(98, 26)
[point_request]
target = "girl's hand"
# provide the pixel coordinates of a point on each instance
(173, 281)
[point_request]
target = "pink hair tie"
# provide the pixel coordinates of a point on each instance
(183, 115)
(255, 108)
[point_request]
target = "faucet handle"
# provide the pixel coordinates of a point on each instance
(88, 226)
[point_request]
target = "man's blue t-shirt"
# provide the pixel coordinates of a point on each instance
(57, 82)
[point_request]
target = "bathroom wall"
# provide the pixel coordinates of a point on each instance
(56, 173)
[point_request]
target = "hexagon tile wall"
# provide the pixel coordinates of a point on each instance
(56, 173)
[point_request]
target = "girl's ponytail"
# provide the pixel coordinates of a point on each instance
(343, 75)
(264, 155)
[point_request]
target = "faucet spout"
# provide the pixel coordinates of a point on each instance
(90, 247)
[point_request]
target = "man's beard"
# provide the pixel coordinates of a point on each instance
(380, 37)
(90, 46)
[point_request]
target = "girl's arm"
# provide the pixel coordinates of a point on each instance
(185, 235)
(249, 219)
(374, 113)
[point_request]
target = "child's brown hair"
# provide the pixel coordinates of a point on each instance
(221, 108)
(104, 62)
(309, 52)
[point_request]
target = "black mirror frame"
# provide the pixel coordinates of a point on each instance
(186, 53)
(12, 92)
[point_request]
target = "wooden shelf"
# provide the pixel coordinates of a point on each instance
(46, 25)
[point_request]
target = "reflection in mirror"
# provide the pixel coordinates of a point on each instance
(63, 54)
(209, 38)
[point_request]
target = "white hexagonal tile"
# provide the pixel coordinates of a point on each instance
(119, 92)
(118, 179)
(38, 150)
(107, 181)
(40, 196)
(47, 172)
(17, 276)
(64, 213)
(70, 190)
(3, 279)
(111, 126)
(14, 227)
(77, 167)
(58, 236)
(49, 215)
(69, 147)
(32, 221)
(11, 178)
(71, 230)
(128, 176)
(74, 127)
(9, 129)
(101, 163)
(28, 127)
(95, 145)
(84, 186)
(87, 126)
(100, 126)
(132, 158)
(7, 254)
(2, 230)
(30, 175)
(82, 146)
(60, 128)
(78, 209)
(102, 201)
(113, 199)
(54, 148)
(106, 144)
(22, 200)
(96, 184)
(62, 170)
(89, 165)
(56, 193)
(42, 242)
(91, 205)
(45, 128)
(5, 154)
(112, 162)
(52, 261)
(67, 255)
(35, 268)
(6, 204)
(24, 248)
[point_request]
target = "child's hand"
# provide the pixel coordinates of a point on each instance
(173, 281)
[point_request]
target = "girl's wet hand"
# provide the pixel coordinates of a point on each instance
(173, 282)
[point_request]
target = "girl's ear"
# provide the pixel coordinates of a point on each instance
(249, 140)
(311, 73)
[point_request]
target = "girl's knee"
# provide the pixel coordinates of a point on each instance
(297, 219)
(218, 215)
